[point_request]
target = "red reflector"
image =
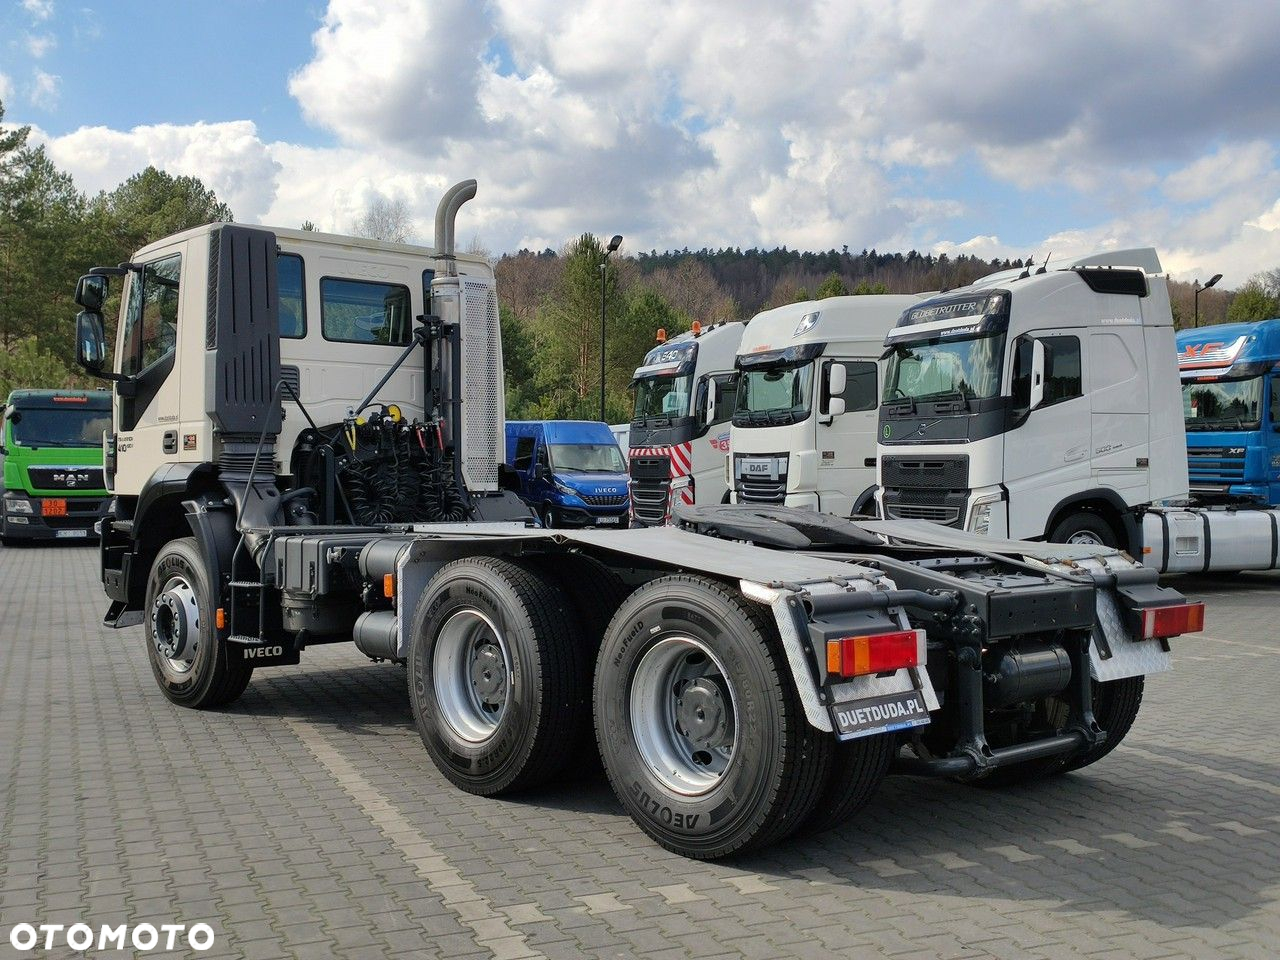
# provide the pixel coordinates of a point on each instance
(1172, 621)
(878, 653)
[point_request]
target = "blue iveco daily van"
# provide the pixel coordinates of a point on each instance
(570, 471)
(1231, 402)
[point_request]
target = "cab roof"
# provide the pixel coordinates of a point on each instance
(836, 320)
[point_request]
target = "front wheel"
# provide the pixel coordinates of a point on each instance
(700, 728)
(1084, 529)
(191, 665)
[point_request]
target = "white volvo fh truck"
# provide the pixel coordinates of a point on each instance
(804, 429)
(305, 448)
(1048, 405)
(679, 437)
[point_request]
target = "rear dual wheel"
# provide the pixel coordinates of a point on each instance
(700, 728)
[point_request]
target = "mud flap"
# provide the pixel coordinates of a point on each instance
(1118, 655)
(861, 706)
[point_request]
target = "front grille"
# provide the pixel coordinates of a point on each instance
(605, 500)
(933, 473)
(912, 511)
(759, 490)
(65, 478)
(649, 502)
(1215, 464)
(650, 468)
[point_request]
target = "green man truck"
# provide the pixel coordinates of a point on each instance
(52, 447)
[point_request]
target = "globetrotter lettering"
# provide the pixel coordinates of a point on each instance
(880, 712)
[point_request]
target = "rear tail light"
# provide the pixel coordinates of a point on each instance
(877, 653)
(1171, 621)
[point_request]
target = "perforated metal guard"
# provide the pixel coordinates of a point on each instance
(483, 416)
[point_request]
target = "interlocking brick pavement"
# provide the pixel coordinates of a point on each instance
(307, 821)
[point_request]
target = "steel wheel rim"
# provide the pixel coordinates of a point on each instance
(1085, 538)
(683, 713)
(471, 671)
(175, 627)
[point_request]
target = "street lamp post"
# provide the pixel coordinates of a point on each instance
(1212, 280)
(613, 245)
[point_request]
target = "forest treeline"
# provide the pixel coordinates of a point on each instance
(51, 232)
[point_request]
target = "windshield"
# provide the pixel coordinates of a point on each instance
(967, 369)
(1223, 404)
(774, 396)
(587, 458)
(63, 427)
(662, 396)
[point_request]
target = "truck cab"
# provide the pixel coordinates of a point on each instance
(1231, 408)
(570, 471)
(803, 431)
(52, 447)
(684, 396)
(1037, 404)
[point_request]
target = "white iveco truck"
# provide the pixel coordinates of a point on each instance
(684, 395)
(804, 429)
(305, 449)
(1048, 405)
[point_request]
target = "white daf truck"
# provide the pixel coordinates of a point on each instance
(1048, 405)
(804, 429)
(305, 449)
(684, 396)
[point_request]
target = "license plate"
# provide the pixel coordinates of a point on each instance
(608, 521)
(71, 534)
(895, 711)
(53, 508)
(760, 468)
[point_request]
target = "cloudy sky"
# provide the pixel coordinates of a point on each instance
(1000, 128)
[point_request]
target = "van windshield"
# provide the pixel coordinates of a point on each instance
(587, 458)
(1223, 405)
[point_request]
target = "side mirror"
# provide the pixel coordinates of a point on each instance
(91, 342)
(1037, 374)
(91, 292)
(837, 379)
(542, 472)
(835, 406)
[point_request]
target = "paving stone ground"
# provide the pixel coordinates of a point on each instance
(307, 821)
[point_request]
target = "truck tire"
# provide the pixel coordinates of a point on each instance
(191, 665)
(700, 728)
(1115, 707)
(1084, 528)
(496, 678)
(857, 768)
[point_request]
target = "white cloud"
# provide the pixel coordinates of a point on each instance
(821, 123)
(44, 90)
(38, 9)
(38, 44)
(6, 89)
(229, 158)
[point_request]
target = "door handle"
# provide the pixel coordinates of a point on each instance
(171, 441)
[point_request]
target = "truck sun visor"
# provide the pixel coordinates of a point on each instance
(959, 315)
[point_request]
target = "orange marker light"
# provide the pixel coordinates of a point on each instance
(389, 585)
(697, 328)
(662, 335)
(220, 618)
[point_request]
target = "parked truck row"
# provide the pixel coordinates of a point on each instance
(305, 448)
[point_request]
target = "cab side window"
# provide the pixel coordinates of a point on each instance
(860, 388)
(1062, 372)
(151, 320)
(1275, 402)
(293, 304)
(726, 387)
(524, 453)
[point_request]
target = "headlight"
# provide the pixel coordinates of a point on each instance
(980, 514)
(567, 491)
(17, 506)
